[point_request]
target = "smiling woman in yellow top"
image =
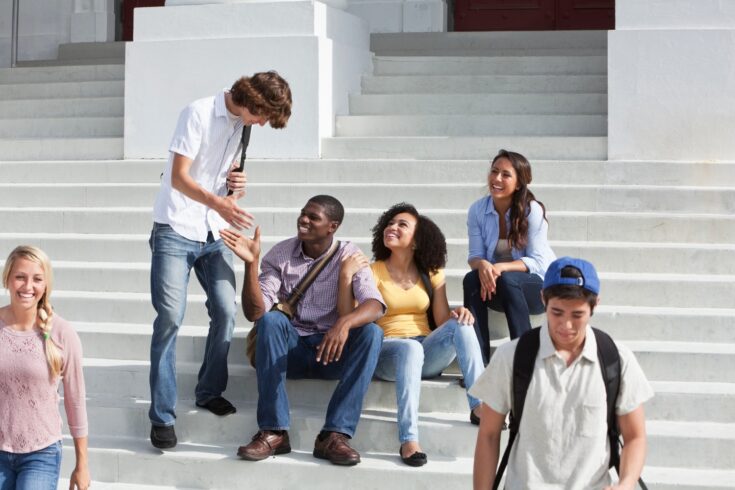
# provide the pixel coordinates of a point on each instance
(407, 246)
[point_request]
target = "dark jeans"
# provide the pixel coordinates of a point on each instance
(518, 294)
(282, 353)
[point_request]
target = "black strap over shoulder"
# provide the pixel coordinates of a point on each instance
(244, 142)
(609, 360)
(430, 291)
(523, 362)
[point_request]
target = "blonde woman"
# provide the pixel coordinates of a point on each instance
(38, 349)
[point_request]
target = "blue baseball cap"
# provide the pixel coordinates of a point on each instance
(588, 281)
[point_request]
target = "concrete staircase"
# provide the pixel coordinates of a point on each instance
(661, 233)
(67, 108)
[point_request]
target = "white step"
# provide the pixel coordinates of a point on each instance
(487, 43)
(607, 256)
(462, 84)
(490, 65)
(87, 106)
(695, 174)
(670, 478)
(62, 127)
(715, 200)
(217, 467)
(56, 90)
(472, 125)
(55, 74)
(564, 225)
(61, 149)
(480, 103)
(705, 445)
(92, 50)
(437, 148)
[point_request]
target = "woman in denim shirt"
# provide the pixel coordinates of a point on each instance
(508, 256)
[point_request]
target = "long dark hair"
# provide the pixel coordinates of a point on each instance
(430, 253)
(520, 205)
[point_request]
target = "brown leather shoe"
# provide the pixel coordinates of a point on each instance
(264, 444)
(336, 448)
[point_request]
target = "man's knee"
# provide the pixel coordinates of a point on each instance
(271, 326)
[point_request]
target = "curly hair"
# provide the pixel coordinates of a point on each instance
(520, 206)
(265, 93)
(430, 252)
(45, 311)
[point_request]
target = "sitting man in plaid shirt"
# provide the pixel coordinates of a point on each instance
(317, 342)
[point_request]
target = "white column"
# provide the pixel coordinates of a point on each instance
(185, 52)
(93, 21)
(671, 72)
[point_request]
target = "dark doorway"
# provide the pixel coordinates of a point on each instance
(533, 15)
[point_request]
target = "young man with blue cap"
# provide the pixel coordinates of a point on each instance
(562, 437)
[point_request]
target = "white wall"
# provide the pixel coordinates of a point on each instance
(185, 52)
(671, 80)
(401, 15)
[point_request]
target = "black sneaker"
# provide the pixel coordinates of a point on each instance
(218, 406)
(163, 437)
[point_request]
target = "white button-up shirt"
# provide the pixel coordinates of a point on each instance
(209, 135)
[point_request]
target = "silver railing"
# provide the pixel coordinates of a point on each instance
(14, 35)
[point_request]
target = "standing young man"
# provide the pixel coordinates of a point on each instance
(562, 439)
(191, 207)
(317, 342)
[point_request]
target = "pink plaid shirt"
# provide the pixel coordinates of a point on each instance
(283, 267)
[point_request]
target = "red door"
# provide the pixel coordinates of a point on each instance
(533, 15)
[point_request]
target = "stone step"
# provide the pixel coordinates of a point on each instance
(526, 42)
(61, 149)
(607, 256)
(490, 65)
(674, 290)
(669, 478)
(55, 74)
(56, 90)
(62, 127)
(70, 62)
(441, 434)
(568, 226)
(470, 84)
(705, 445)
(636, 322)
(481, 103)
(87, 106)
(92, 50)
(691, 400)
(472, 125)
(697, 174)
(715, 200)
(439, 148)
(64, 483)
(217, 467)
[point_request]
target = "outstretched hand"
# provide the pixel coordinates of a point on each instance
(248, 249)
(234, 214)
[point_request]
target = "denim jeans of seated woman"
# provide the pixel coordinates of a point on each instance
(409, 360)
(518, 295)
(38, 470)
(173, 258)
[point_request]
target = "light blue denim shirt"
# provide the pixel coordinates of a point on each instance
(483, 231)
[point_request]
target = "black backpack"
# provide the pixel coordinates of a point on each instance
(523, 363)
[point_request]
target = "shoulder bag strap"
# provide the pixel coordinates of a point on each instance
(311, 274)
(244, 142)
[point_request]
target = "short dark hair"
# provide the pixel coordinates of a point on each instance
(430, 254)
(332, 207)
(569, 291)
(264, 94)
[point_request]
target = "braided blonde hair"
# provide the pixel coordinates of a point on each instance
(45, 311)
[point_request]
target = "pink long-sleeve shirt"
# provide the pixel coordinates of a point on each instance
(29, 397)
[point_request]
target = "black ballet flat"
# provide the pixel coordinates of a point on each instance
(416, 459)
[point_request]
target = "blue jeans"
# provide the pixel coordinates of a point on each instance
(38, 470)
(408, 361)
(173, 258)
(518, 294)
(282, 353)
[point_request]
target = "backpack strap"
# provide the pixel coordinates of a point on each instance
(430, 291)
(609, 359)
(524, 360)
